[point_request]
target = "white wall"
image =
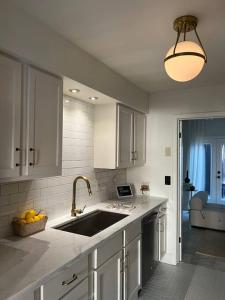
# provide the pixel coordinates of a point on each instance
(54, 194)
(25, 37)
(165, 108)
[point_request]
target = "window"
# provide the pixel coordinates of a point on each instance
(208, 162)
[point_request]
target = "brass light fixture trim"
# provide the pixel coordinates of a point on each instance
(183, 25)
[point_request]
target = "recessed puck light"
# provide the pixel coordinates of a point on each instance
(93, 98)
(74, 91)
(67, 101)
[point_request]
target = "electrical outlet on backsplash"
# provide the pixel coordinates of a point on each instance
(142, 188)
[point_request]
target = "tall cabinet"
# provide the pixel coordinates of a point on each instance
(30, 121)
(119, 140)
(43, 128)
(10, 116)
(125, 137)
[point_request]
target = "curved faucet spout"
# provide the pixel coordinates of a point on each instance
(74, 210)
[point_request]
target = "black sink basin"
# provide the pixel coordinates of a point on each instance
(92, 223)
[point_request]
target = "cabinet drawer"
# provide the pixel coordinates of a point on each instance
(106, 250)
(66, 279)
(131, 232)
(80, 292)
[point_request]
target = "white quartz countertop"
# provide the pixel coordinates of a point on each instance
(26, 263)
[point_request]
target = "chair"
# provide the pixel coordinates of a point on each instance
(206, 215)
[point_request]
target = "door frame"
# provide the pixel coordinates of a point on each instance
(177, 167)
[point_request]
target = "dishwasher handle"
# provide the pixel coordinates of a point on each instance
(149, 219)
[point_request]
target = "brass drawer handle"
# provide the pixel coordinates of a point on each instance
(68, 282)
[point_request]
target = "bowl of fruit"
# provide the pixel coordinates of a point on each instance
(29, 222)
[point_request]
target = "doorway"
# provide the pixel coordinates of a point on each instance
(201, 170)
(215, 152)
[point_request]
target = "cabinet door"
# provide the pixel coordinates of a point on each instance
(80, 292)
(139, 138)
(108, 280)
(124, 137)
(132, 269)
(162, 236)
(44, 144)
(10, 116)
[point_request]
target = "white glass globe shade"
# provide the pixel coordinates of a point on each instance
(184, 67)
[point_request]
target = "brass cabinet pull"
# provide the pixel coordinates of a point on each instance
(68, 282)
(127, 261)
(134, 155)
(34, 160)
(18, 149)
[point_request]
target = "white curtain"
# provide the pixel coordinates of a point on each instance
(195, 151)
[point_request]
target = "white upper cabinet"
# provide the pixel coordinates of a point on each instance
(125, 132)
(139, 138)
(30, 121)
(44, 123)
(119, 140)
(10, 116)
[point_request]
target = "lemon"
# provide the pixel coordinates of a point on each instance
(36, 218)
(41, 216)
(22, 215)
(30, 213)
(29, 220)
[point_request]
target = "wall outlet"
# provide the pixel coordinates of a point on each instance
(144, 188)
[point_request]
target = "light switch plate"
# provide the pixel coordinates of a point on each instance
(167, 151)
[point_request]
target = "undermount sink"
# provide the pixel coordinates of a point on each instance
(92, 223)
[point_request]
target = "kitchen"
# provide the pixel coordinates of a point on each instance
(76, 134)
(53, 195)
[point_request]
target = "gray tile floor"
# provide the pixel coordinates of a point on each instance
(201, 275)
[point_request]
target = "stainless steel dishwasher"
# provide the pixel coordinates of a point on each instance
(150, 250)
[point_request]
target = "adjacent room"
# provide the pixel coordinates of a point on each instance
(203, 191)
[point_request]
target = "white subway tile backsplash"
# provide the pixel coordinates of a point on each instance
(10, 188)
(54, 194)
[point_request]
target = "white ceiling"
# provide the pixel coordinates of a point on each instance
(84, 92)
(133, 36)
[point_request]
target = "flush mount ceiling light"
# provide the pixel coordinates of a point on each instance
(93, 98)
(185, 60)
(74, 91)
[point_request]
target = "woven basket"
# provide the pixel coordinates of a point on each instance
(28, 229)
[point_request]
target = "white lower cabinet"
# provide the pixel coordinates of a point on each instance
(132, 269)
(111, 272)
(69, 283)
(117, 266)
(162, 236)
(80, 292)
(108, 279)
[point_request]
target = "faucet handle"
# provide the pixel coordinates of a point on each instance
(77, 211)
